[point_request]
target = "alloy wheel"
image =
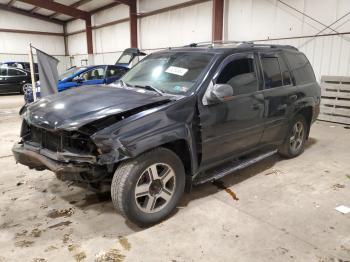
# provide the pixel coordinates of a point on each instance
(297, 136)
(155, 188)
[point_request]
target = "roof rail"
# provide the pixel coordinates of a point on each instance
(269, 45)
(238, 43)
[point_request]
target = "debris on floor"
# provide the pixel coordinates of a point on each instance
(24, 243)
(64, 223)
(274, 172)
(66, 212)
(338, 186)
(124, 243)
(111, 255)
(220, 185)
(343, 209)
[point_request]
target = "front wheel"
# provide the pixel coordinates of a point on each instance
(146, 189)
(294, 143)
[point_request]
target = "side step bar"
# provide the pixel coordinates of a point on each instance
(220, 173)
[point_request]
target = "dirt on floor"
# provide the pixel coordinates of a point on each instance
(276, 210)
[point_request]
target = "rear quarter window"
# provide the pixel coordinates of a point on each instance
(300, 68)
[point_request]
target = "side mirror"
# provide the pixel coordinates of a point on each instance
(220, 93)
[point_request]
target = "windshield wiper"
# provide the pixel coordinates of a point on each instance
(151, 88)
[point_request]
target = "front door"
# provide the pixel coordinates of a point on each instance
(234, 126)
(93, 76)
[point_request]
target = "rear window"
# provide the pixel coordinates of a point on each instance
(300, 68)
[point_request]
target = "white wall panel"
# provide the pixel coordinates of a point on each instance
(11, 20)
(109, 15)
(19, 43)
(75, 25)
(145, 6)
(112, 38)
(77, 44)
(177, 27)
(270, 19)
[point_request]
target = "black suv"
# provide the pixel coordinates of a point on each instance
(180, 117)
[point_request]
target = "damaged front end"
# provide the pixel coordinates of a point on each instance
(78, 154)
(72, 156)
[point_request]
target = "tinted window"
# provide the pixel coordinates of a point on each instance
(94, 74)
(114, 72)
(271, 70)
(3, 71)
(14, 72)
(300, 68)
(240, 75)
(285, 72)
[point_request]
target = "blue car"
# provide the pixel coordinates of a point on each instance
(91, 75)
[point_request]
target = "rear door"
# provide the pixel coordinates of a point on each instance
(234, 126)
(280, 95)
(93, 76)
(16, 79)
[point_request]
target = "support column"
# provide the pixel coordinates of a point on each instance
(218, 20)
(66, 53)
(90, 48)
(133, 23)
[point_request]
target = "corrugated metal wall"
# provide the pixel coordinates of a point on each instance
(272, 19)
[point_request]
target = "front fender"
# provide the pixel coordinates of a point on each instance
(147, 130)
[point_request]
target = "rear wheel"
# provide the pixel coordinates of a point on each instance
(146, 189)
(294, 144)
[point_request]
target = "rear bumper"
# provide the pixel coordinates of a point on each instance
(34, 159)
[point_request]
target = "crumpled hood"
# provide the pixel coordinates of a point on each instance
(74, 108)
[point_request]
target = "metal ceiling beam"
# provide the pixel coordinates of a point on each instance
(75, 5)
(26, 13)
(59, 8)
(124, 2)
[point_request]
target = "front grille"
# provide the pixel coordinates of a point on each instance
(57, 141)
(46, 139)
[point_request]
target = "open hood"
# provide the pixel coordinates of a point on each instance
(74, 108)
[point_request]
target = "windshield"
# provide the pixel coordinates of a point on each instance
(71, 71)
(174, 73)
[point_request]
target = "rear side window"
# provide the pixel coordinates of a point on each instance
(300, 68)
(271, 70)
(286, 78)
(15, 72)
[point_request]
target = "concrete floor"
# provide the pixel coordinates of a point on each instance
(285, 211)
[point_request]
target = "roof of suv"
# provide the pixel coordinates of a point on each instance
(230, 46)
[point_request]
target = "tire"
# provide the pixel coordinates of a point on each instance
(294, 143)
(145, 190)
(21, 91)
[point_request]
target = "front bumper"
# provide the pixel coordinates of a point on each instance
(36, 158)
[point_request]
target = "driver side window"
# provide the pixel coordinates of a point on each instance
(240, 74)
(94, 74)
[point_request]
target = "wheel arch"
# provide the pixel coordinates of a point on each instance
(307, 113)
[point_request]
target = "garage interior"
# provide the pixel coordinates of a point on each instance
(276, 210)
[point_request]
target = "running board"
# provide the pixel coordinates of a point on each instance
(228, 169)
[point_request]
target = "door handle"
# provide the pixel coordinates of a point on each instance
(293, 97)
